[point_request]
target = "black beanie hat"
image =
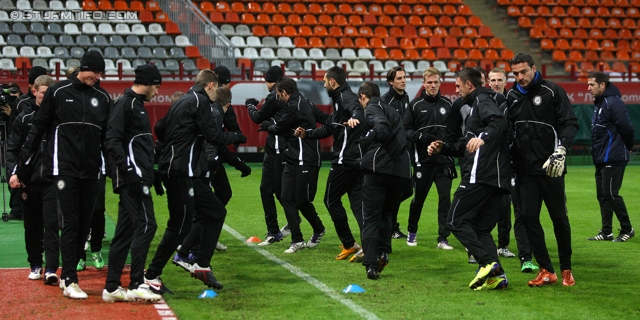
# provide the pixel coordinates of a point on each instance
(92, 61)
(36, 72)
(273, 74)
(147, 74)
(224, 75)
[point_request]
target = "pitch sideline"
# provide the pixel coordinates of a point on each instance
(306, 277)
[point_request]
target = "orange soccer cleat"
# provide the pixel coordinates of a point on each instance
(544, 277)
(567, 278)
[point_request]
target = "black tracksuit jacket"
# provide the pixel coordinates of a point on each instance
(345, 147)
(74, 118)
(425, 122)
(383, 147)
(400, 102)
(272, 109)
(129, 142)
(299, 112)
(491, 163)
(542, 119)
(189, 121)
(19, 130)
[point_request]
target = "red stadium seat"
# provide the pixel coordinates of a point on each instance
(430, 55)
(607, 56)
(396, 32)
(559, 55)
(425, 32)
(443, 53)
(491, 54)
(591, 55)
(577, 44)
(496, 43)
(547, 44)
(381, 54)
(562, 44)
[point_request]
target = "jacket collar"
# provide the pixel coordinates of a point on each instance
(199, 89)
(396, 94)
(334, 94)
(429, 98)
(471, 97)
(610, 91)
(130, 92)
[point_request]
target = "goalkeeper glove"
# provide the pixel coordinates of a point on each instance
(555, 164)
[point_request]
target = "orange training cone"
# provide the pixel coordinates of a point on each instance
(253, 239)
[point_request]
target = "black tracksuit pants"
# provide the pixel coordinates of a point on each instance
(474, 212)
(608, 184)
(344, 180)
(221, 185)
(76, 197)
(270, 184)
(407, 192)
(135, 229)
(423, 178)
(15, 203)
(381, 196)
(187, 197)
(299, 186)
(519, 230)
(41, 229)
(97, 219)
(532, 190)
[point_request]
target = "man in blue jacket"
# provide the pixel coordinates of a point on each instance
(611, 141)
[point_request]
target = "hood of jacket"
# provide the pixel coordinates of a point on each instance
(610, 91)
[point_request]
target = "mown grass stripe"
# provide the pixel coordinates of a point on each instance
(306, 277)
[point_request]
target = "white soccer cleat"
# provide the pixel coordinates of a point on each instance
(36, 273)
(73, 291)
(296, 246)
(221, 247)
(143, 293)
(119, 295)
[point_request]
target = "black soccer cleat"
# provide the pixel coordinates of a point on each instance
(206, 276)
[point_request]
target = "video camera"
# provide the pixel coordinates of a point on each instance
(8, 94)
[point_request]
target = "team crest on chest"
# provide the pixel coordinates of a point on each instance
(443, 111)
(191, 193)
(418, 175)
(94, 102)
(145, 190)
(60, 184)
(537, 100)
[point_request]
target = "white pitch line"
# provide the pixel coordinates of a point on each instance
(306, 277)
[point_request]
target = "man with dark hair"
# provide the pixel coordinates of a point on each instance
(39, 200)
(544, 126)
(398, 99)
(385, 161)
(424, 123)
(611, 142)
(272, 110)
(345, 176)
(486, 174)
(72, 108)
(188, 122)
(300, 173)
(131, 156)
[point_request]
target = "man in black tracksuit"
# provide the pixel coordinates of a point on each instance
(497, 82)
(300, 174)
(130, 147)
(73, 108)
(273, 162)
(345, 176)
(544, 126)
(611, 141)
(486, 175)
(424, 123)
(181, 132)
(398, 99)
(385, 161)
(38, 197)
(18, 105)
(210, 162)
